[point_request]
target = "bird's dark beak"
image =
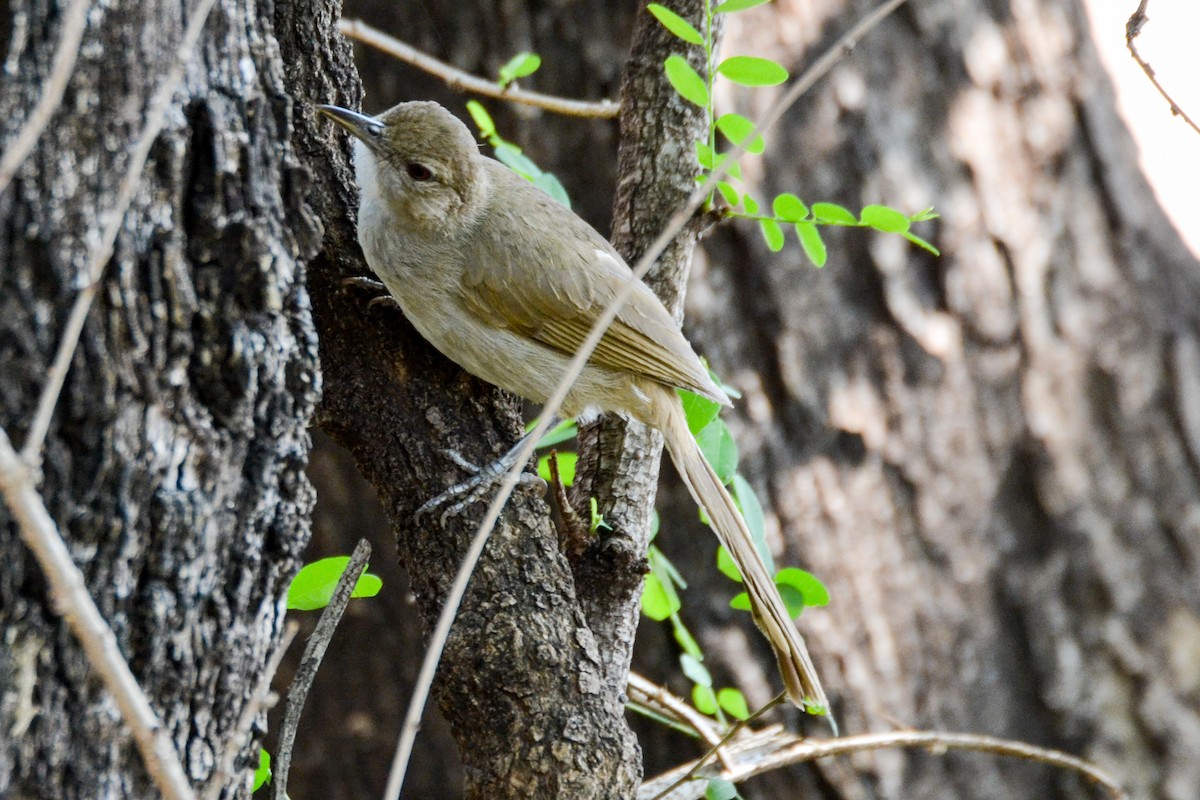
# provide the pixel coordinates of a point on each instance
(363, 127)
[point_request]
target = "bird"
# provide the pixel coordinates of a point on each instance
(507, 283)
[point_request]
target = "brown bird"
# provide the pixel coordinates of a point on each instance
(507, 283)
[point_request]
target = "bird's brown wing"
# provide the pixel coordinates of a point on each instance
(547, 275)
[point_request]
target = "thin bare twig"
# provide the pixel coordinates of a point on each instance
(771, 749)
(318, 643)
(660, 700)
(99, 255)
(73, 23)
(1133, 29)
(465, 82)
(69, 595)
(677, 222)
(717, 749)
(261, 700)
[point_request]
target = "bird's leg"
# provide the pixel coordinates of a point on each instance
(482, 481)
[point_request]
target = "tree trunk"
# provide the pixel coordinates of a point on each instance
(990, 457)
(175, 463)
(522, 680)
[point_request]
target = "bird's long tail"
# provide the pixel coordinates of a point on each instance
(796, 667)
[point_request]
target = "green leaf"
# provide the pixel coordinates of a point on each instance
(519, 66)
(924, 215)
(665, 570)
(704, 699)
(752, 71)
(750, 204)
(833, 213)
(883, 218)
(790, 208)
(810, 240)
(741, 602)
(738, 129)
(549, 183)
(566, 467)
(596, 519)
(657, 603)
(726, 565)
(730, 6)
(808, 585)
(752, 513)
(705, 155)
(685, 639)
(700, 411)
(483, 120)
(562, 432)
(919, 242)
(511, 156)
(675, 24)
(772, 233)
(735, 169)
(696, 672)
(716, 442)
(262, 774)
(687, 82)
(728, 192)
(314, 584)
(720, 789)
(733, 703)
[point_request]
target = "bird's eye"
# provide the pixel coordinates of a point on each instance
(419, 172)
(375, 131)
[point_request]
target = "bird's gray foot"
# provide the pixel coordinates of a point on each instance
(475, 488)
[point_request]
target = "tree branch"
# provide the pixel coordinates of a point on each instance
(465, 82)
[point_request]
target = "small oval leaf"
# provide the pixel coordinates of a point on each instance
(833, 213)
(726, 566)
(483, 120)
(720, 789)
(738, 129)
(519, 66)
(730, 6)
(700, 411)
(883, 218)
(807, 584)
(772, 233)
(314, 584)
(687, 81)
(810, 240)
(675, 24)
(566, 467)
(704, 699)
(733, 703)
(753, 71)
(696, 672)
(728, 192)
(717, 445)
(656, 602)
(789, 207)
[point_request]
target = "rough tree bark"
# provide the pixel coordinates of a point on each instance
(175, 463)
(522, 679)
(990, 457)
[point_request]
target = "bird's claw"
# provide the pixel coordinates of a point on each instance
(382, 298)
(473, 489)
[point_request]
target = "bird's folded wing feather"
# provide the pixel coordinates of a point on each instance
(556, 298)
